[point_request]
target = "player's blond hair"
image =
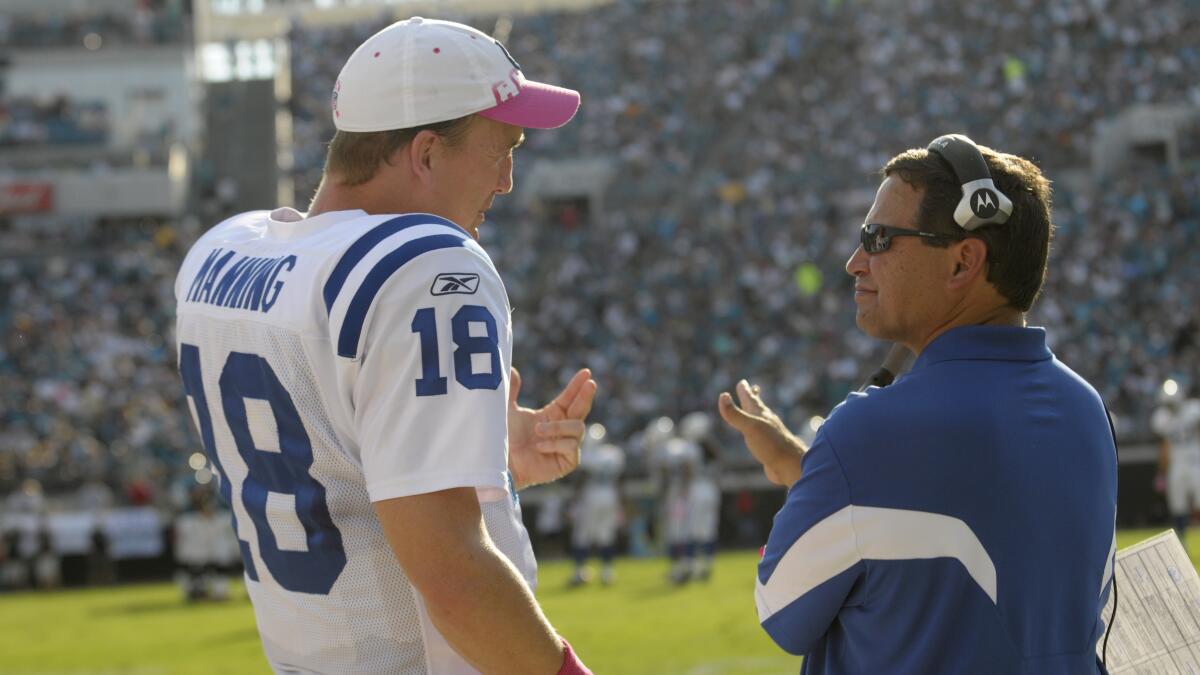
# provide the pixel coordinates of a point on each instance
(354, 157)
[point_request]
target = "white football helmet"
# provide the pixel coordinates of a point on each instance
(659, 431)
(679, 452)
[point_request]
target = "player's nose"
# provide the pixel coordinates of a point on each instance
(505, 185)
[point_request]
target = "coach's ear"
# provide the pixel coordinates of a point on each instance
(968, 260)
(420, 154)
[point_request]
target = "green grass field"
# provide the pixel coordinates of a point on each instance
(639, 626)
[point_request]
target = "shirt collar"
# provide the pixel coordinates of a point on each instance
(986, 343)
(288, 223)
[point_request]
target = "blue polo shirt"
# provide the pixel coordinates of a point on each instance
(958, 521)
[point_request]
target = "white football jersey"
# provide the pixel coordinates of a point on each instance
(331, 362)
(601, 467)
(1181, 426)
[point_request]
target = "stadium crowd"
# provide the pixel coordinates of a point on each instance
(57, 120)
(150, 22)
(745, 140)
(87, 378)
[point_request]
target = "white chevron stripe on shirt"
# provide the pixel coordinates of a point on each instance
(857, 533)
(1108, 564)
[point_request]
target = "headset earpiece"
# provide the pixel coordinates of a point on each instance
(981, 203)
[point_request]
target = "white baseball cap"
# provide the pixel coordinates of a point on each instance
(420, 71)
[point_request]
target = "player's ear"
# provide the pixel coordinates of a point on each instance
(420, 154)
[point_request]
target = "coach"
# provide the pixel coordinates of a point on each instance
(960, 520)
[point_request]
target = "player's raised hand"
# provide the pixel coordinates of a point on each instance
(543, 444)
(776, 448)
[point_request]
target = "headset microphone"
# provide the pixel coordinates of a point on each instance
(897, 361)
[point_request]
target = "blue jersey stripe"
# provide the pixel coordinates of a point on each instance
(360, 248)
(356, 314)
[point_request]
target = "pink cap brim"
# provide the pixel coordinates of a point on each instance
(538, 106)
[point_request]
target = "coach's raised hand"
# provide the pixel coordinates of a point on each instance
(543, 444)
(776, 448)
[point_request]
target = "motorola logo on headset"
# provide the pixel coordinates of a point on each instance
(981, 203)
(984, 203)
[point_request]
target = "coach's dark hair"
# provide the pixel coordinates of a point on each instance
(354, 157)
(1016, 250)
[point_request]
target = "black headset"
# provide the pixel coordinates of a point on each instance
(981, 203)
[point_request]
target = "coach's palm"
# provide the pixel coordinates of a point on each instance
(543, 444)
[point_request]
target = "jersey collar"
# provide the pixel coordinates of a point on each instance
(287, 223)
(986, 343)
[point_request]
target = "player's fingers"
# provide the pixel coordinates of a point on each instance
(514, 385)
(582, 404)
(567, 448)
(567, 396)
(568, 428)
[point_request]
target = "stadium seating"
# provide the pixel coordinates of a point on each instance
(744, 136)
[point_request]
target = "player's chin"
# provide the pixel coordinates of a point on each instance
(473, 226)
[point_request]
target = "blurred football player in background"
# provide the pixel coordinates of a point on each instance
(703, 494)
(550, 522)
(47, 566)
(1177, 423)
(665, 455)
(203, 548)
(597, 508)
(677, 464)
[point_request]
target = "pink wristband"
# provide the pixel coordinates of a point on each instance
(571, 663)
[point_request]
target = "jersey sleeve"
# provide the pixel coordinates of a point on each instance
(811, 563)
(430, 361)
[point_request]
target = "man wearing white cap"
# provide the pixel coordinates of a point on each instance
(349, 371)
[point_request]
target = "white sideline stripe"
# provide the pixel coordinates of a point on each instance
(857, 533)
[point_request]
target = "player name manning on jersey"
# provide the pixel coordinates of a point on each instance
(249, 283)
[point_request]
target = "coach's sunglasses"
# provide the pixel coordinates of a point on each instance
(876, 238)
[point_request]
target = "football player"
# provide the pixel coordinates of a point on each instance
(703, 493)
(349, 369)
(597, 507)
(1177, 423)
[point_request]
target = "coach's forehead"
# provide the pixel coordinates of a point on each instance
(896, 204)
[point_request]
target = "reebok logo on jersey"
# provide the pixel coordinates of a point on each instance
(448, 283)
